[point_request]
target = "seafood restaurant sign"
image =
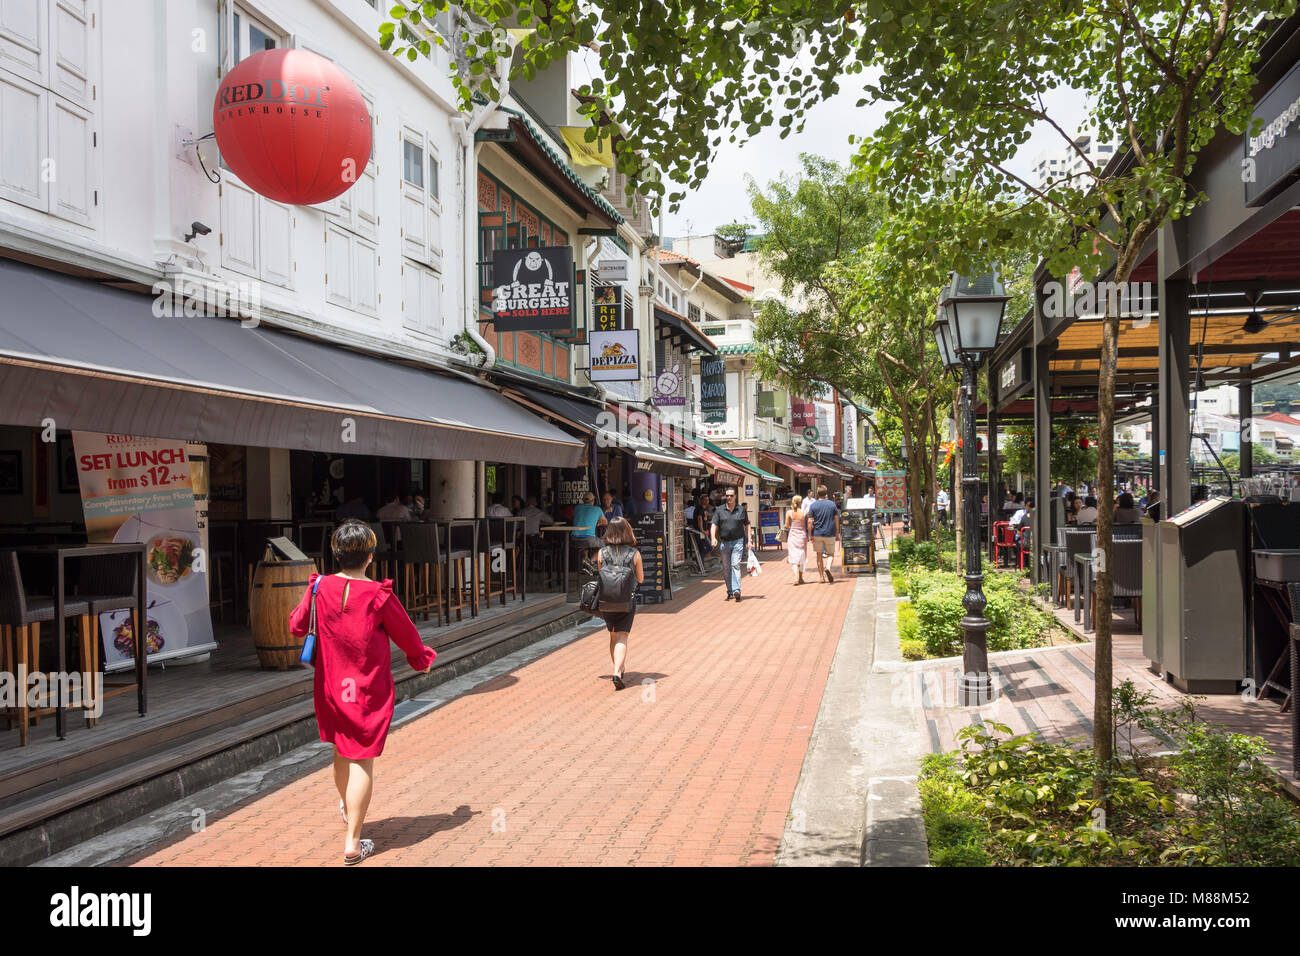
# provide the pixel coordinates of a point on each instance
(141, 490)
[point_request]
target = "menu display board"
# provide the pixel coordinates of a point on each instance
(652, 541)
(769, 525)
(856, 537)
(891, 492)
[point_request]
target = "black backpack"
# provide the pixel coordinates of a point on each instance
(617, 579)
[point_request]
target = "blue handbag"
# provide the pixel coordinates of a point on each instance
(308, 655)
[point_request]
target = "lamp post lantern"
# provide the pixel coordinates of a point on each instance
(967, 331)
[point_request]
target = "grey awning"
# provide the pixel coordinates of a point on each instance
(612, 432)
(97, 359)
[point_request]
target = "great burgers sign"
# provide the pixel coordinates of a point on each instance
(533, 289)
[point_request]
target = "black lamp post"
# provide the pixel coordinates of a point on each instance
(966, 331)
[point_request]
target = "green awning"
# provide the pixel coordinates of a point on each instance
(765, 476)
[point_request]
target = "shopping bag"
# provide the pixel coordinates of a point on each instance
(753, 566)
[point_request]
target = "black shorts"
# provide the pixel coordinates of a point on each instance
(620, 621)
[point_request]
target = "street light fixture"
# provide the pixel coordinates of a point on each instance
(972, 308)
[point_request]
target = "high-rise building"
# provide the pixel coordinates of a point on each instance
(1058, 165)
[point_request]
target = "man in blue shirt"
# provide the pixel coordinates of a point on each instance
(823, 529)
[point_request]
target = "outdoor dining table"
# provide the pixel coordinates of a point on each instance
(568, 530)
(60, 553)
(1083, 568)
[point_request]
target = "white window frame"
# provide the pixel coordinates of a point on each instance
(427, 249)
(42, 80)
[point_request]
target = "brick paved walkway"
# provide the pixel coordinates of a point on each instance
(549, 765)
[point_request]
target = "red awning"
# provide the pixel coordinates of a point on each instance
(801, 466)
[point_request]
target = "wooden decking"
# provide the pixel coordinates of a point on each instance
(194, 702)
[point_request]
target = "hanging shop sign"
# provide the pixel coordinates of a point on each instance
(771, 404)
(891, 492)
(611, 270)
(669, 387)
(1273, 156)
(142, 490)
(849, 443)
(1014, 377)
(713, 390)
(615, 356)
(825, 426)
(292, 126)
(534, 290)
(609, 308)
(803, 414)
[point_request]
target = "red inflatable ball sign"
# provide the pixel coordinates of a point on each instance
(292, 126)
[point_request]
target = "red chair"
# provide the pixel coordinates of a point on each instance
(1004, 540)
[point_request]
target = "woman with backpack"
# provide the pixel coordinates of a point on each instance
(620, 571)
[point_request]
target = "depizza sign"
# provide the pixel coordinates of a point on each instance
(533, 289)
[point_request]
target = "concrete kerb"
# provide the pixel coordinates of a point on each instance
(856, 802)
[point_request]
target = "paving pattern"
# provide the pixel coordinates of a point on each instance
(694, 763)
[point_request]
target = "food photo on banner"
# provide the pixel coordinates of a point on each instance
(534, 289)
(615, 356)
(141, 490)
(891, 492)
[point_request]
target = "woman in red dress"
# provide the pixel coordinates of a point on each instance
(354, 691)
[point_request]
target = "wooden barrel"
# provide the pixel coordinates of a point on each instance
(278, 586)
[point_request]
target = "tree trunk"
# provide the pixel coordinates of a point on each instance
(1102, 720)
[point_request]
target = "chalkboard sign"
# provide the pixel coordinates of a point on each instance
(651, 532)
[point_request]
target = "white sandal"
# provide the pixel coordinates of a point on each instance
(367, 848)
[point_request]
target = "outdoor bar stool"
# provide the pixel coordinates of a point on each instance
(107, 583)
(223, 553)
(489, 533)
(314, 541)
(386, 557)
(422, 570)
(21, 616)
(503, 536)
(462, 545)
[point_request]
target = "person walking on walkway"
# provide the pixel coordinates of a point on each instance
(824, 527)
(731, 528)
(796, 540)
(354, 691)
(620, 550)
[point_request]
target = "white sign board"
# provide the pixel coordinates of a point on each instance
(615, 356)
(612, 270)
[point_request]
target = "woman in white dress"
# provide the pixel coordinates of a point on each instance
(796, 542)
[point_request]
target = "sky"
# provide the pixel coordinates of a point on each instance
(724, 198)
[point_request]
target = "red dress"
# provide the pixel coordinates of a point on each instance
(354, 689)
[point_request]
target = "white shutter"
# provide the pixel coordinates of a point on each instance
(70, 137)
(411, 295)
(22, 131)
(338, 265)
(70, 63)
(226, 36)
(365, 269)
(21, 33)
(238, 227)
(364, 200)
(275, 239)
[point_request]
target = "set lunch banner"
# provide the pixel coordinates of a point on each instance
(142, 490)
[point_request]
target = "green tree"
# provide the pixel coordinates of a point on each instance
(1071, 461)
(735, 233)
(972, 79)
(859, 314)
